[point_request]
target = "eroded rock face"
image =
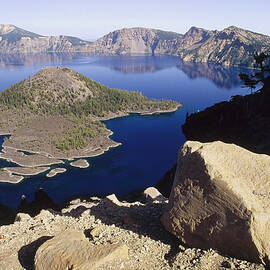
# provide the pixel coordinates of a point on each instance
(220, 199)
(137, 41)
(230, 46)
(72, 250)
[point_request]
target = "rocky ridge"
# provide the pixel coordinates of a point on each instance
(231, 46)
(17, 40)
(132, 230)
(137, 41)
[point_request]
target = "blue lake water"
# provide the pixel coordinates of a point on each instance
(149, 143)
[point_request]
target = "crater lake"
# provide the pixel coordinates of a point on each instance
(149, 143)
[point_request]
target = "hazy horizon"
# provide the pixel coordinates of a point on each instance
(92, 19)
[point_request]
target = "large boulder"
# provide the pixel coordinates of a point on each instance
(72, 250)
(221, 199)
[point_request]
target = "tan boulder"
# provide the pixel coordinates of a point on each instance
(20, 217)
(152, 194)
(221, 199)
(72, 250)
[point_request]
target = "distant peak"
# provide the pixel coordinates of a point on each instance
(196, 29)
(7, 25)
(6, 28)
(46, 70)
(232, 28)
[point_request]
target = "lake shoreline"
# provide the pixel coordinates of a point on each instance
(54, 160)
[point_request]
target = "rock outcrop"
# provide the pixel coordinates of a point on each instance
(220, 199)
(72, 250)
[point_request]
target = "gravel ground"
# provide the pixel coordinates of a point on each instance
(110, 221)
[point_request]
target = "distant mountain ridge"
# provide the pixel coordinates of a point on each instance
(137, 41)
(231, 46)
(17, 40)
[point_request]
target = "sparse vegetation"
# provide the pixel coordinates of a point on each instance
(78, 137)
(60, 94)
(50, 97)
(167, 35)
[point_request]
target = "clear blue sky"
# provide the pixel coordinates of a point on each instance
(91, 19)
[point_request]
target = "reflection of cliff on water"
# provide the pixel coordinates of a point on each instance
(223, 77)
(137, 63)
(10, 61)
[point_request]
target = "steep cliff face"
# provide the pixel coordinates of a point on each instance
(231, 46)
(17, 40)
(193, 38)
(137, 41)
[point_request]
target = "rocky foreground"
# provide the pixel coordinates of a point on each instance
(104, 234)
(218, 206)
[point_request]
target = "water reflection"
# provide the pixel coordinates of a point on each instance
(223, 77)
(137, 63)
(10, 61)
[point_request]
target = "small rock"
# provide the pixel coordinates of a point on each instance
(74, 202)
(96, 231)
(152, 194)
(226, 264)
(113, 199)
(22, 217)
(182, 248)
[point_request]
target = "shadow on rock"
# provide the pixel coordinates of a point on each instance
(26, 254)
(7, 215)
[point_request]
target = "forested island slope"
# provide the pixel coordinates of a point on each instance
(56, 114)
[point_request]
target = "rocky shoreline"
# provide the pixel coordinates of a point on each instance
(55, 171)
(38, 159)
(81, 163)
